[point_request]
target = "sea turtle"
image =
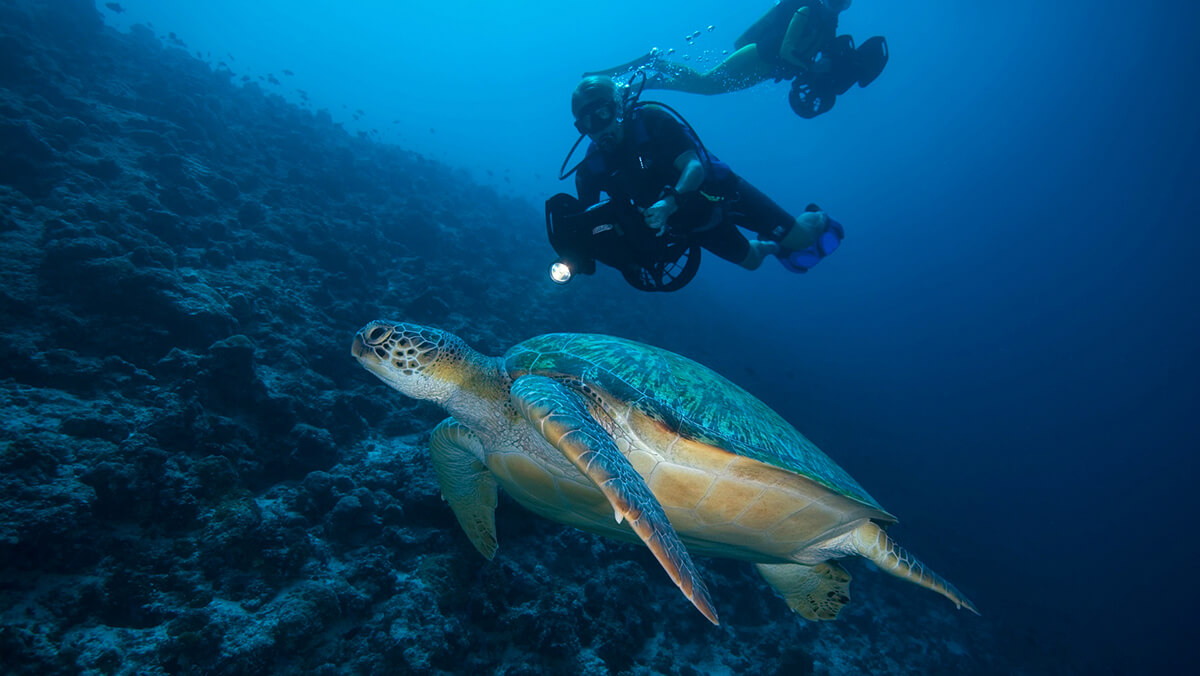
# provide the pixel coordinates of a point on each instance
(580, 428)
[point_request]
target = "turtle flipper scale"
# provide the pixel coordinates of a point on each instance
(871, 542)
(815, 592)
(466, 483)
(561, 418)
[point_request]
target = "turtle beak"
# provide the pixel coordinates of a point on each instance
(370, 359)
(358, 347)
(365, 354)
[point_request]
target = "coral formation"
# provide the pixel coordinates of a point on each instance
(195, 476)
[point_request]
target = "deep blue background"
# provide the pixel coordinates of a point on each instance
(1005, 350)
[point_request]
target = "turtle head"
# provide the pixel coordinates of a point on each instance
(420, 361)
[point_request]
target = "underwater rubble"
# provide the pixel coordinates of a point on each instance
(197, 478)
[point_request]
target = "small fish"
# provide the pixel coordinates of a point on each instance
(288, 72)
(115, 6)
(271, 79)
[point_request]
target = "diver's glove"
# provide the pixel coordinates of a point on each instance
(658, 213)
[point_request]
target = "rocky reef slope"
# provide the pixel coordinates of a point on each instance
(196, 478)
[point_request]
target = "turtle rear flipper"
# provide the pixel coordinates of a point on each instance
(466, 483)
(869, 541)
(559, 416)
(816, 592)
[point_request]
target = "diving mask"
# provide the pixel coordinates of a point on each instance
(596, 117)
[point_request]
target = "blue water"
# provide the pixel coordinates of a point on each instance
(1004, 351)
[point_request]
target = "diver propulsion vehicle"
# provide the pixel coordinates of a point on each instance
(616, 234)
(815, 93)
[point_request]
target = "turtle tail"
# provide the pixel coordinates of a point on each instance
(871, 542)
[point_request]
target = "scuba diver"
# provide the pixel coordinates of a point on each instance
(668, 198)
(795, 40)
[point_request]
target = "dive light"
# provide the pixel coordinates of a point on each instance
(560, 271)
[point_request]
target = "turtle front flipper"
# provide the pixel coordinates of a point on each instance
(560, 417)
(816, 592)
(466, 483)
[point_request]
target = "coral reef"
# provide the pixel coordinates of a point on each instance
(195, 476)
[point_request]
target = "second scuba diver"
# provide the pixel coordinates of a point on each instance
(667, 195)
(794, 40)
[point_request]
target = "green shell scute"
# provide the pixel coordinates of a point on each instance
(695, 400)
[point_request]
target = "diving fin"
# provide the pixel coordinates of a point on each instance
(642, 61)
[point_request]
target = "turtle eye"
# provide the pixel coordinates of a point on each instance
(378, 334)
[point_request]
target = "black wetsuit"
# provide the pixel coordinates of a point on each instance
(644, 163)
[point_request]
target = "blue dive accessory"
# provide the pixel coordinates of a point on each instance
(828, 242)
